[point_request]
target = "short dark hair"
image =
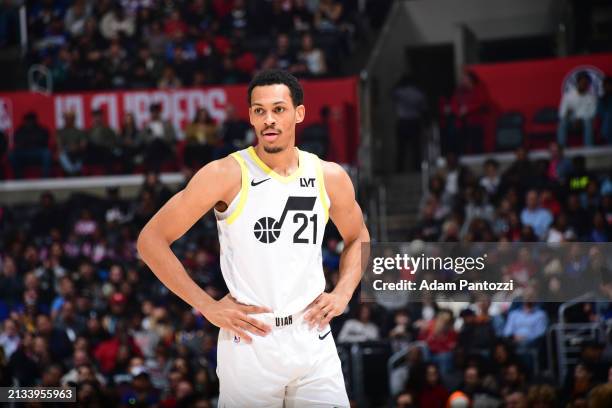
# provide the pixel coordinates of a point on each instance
(583, 75)
(274, 77)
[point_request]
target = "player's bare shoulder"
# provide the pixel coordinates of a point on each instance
(220, 179)
(337, 181)
(339, 188)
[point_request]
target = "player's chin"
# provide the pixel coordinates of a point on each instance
(272, 148)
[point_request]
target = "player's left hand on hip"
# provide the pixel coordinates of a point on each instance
(324, 308)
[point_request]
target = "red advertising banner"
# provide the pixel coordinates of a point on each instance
(528, 86)
(180, 105)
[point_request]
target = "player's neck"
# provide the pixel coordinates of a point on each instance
(283, 163)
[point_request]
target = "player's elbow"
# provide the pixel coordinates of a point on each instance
(141, 242)
(364, 234)
(144, 241)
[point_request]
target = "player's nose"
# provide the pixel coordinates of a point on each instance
(269, 119)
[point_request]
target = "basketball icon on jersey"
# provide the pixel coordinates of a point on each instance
(267, 229)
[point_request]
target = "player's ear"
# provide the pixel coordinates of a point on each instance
(300, 112)
(251, 116)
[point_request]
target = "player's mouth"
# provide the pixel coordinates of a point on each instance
(270, 135)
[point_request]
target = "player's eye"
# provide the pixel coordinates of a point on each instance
(279, 109)
(258, 111)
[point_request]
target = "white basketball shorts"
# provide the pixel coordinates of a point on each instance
(292, 367)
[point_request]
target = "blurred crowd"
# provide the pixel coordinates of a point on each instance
(583, 113)
(127, 44)
(551, 199)
(491, 350)
(158, 145)
(78, 307)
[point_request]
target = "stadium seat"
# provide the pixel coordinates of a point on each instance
(509, 132)
(543, 127)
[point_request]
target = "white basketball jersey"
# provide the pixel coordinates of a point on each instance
(271, 233)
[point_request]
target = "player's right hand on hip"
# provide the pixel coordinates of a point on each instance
(228, 314)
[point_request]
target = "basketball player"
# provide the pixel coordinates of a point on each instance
(271, 203)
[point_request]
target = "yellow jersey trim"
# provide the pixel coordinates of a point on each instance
(283, 179)
(322, 191)
(244, 190)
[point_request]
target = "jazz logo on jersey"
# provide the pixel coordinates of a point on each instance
(307, 182)
(267, 229)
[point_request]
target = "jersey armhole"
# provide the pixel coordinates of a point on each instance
(234, 209)
(322, 191)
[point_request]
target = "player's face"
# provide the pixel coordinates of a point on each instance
(273, 117)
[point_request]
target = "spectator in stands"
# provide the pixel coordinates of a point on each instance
(201, 138)
(535, 216)
(410, 108)
(477, 332)
(155, 38)
(579, 177)
(103, 142)
(491, 180)
(106, 353)
(31, 146)
(153, 184)
(577, 110)
(518, 174)
(130, 143)
(579, 382)
(433, 394)
(169, 79)
(600, 396)
(152, 63)
(401, 334)
(311, 60)
(560, 231)
(11, 284)
(328, 15)
(441, 339)
(472, 383)
(559, 167)
(140, 391)
(117, 24)
(548, 200)
(466, 114)
(281, 57)
(9, 338)
(24, 364)
(542, 396)
(56, 341)
(516, 399)
(578, 217)
(235, 133)
(117, 65)
(477, 207)
(159, 137)
(303, 18)
(526, 326)
(71, 145)
(601, 230)
(359, 328)
(315, 137)
(429, 227)
(76, 16)
(604, 111)
(236, 19)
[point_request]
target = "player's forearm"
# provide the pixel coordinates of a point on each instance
(158, 256)
(351, 267)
